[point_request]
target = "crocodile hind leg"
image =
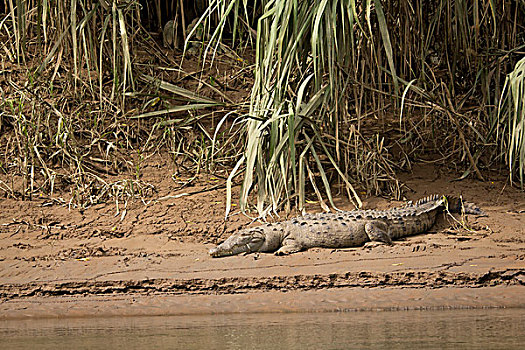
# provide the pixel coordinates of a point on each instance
(289, 246)
(377, 231)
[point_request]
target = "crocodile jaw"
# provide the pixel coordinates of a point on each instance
(245, 241)
(221, 250)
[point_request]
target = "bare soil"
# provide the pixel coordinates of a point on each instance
(152, 258)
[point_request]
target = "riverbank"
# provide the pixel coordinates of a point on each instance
(152, 259)
(325, 300)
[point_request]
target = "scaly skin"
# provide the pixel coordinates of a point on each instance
(342, 229)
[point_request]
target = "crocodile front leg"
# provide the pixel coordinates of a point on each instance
(377, 231)
(289, 246)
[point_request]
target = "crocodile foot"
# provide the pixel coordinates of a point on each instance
(286, 250)
(375, 244)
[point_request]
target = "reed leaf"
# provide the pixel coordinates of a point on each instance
(511, 121)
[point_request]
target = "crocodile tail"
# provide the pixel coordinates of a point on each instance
(458, 205)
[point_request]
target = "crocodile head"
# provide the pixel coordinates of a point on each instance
(244, 241)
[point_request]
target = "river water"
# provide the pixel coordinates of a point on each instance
(448, 329)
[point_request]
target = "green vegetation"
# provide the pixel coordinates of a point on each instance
(344, 94)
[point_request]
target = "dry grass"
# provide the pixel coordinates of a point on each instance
(85, 100)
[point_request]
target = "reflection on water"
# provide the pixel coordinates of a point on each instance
(457, 329)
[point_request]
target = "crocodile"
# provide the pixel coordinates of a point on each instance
(343, 229)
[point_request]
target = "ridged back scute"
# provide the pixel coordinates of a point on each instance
(431, 198)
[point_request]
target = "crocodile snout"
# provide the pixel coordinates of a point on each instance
(214, 252)
(218, 252)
